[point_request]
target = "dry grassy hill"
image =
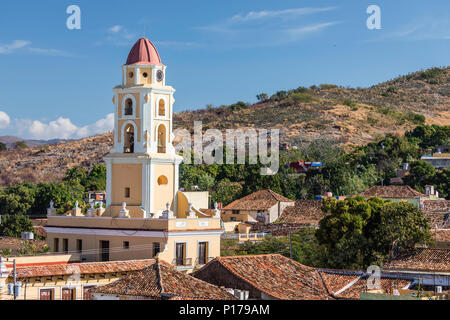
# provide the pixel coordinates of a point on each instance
(347, 115)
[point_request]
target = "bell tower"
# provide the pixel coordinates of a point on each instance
(142, 167)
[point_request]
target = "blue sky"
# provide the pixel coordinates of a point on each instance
(56, 83)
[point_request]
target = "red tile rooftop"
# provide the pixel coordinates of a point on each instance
(274, 275)
(392, 192)
(303, 212)
(162, 281)
(421, 259)
(259, 200)
(83, 268)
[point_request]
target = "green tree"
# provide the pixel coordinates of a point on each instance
(2, 146)
(17, 199)
(420, 174)
(14, 224)
(20, 145)
(226, 192)
(205, 182)
(359, 232)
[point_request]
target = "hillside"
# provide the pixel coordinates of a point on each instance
(9, 141)
(350, 116)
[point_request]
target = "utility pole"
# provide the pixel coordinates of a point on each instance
(14, 278)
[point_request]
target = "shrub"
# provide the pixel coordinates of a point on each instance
(302, 97)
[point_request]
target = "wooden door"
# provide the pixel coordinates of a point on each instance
(46, 294)
(104, 250)
(180, 254)
(86, 294)
(68, 294)
(202, 252)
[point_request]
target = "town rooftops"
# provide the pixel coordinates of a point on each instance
(399, 192)
(348, 284)
(421, 259)
(259, 200)
(303, 212)
(272, 274)
(82, 268)
(436, 206)
(162, 281)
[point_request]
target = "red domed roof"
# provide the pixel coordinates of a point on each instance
(143, 52)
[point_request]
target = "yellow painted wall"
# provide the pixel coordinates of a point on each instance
(57, 283)
(123, 176)
(163, 193)
(140, 247)
(143, 80)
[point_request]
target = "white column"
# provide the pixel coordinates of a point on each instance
(175, 188)
(136, 76)
(108, 182)
(151, 191)
(146, 186)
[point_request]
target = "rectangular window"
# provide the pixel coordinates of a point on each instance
(202, 252)
(180, 254)
(46, 294)
(156, 248)
(127, 192)
(235, 211)
(232, 218)
(56, 245)
(79, 245)
(104, 250)
(68, 294)
(65, 245)
(126, 245)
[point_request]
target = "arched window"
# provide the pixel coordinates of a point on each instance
(128, 139)
(161, 108)
(162, 180)
(161, 139)
(128, 107)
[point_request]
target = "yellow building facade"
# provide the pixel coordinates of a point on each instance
(146, 216)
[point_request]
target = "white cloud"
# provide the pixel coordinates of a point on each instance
(61, 128)
(310, 29)
(267, 27)
(4, 120)
(115, 29)
(15, 45)
(257, 15)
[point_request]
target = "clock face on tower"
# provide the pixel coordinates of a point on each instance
(159, 75)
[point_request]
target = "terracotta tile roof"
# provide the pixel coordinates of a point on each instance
(162, 281)
(303, 212)
(83, 268)
(436, 206)
(439, 219)
(422, 259)
(259, 200)
(441, 235)
(347, 284)
(392, 192)
(275, 275)
(275, 229)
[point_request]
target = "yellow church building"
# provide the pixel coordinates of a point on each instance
(146, 216)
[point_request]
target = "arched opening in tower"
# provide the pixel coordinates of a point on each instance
(161, 139)
(128, 107)
(161, 108)
(128, 146)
